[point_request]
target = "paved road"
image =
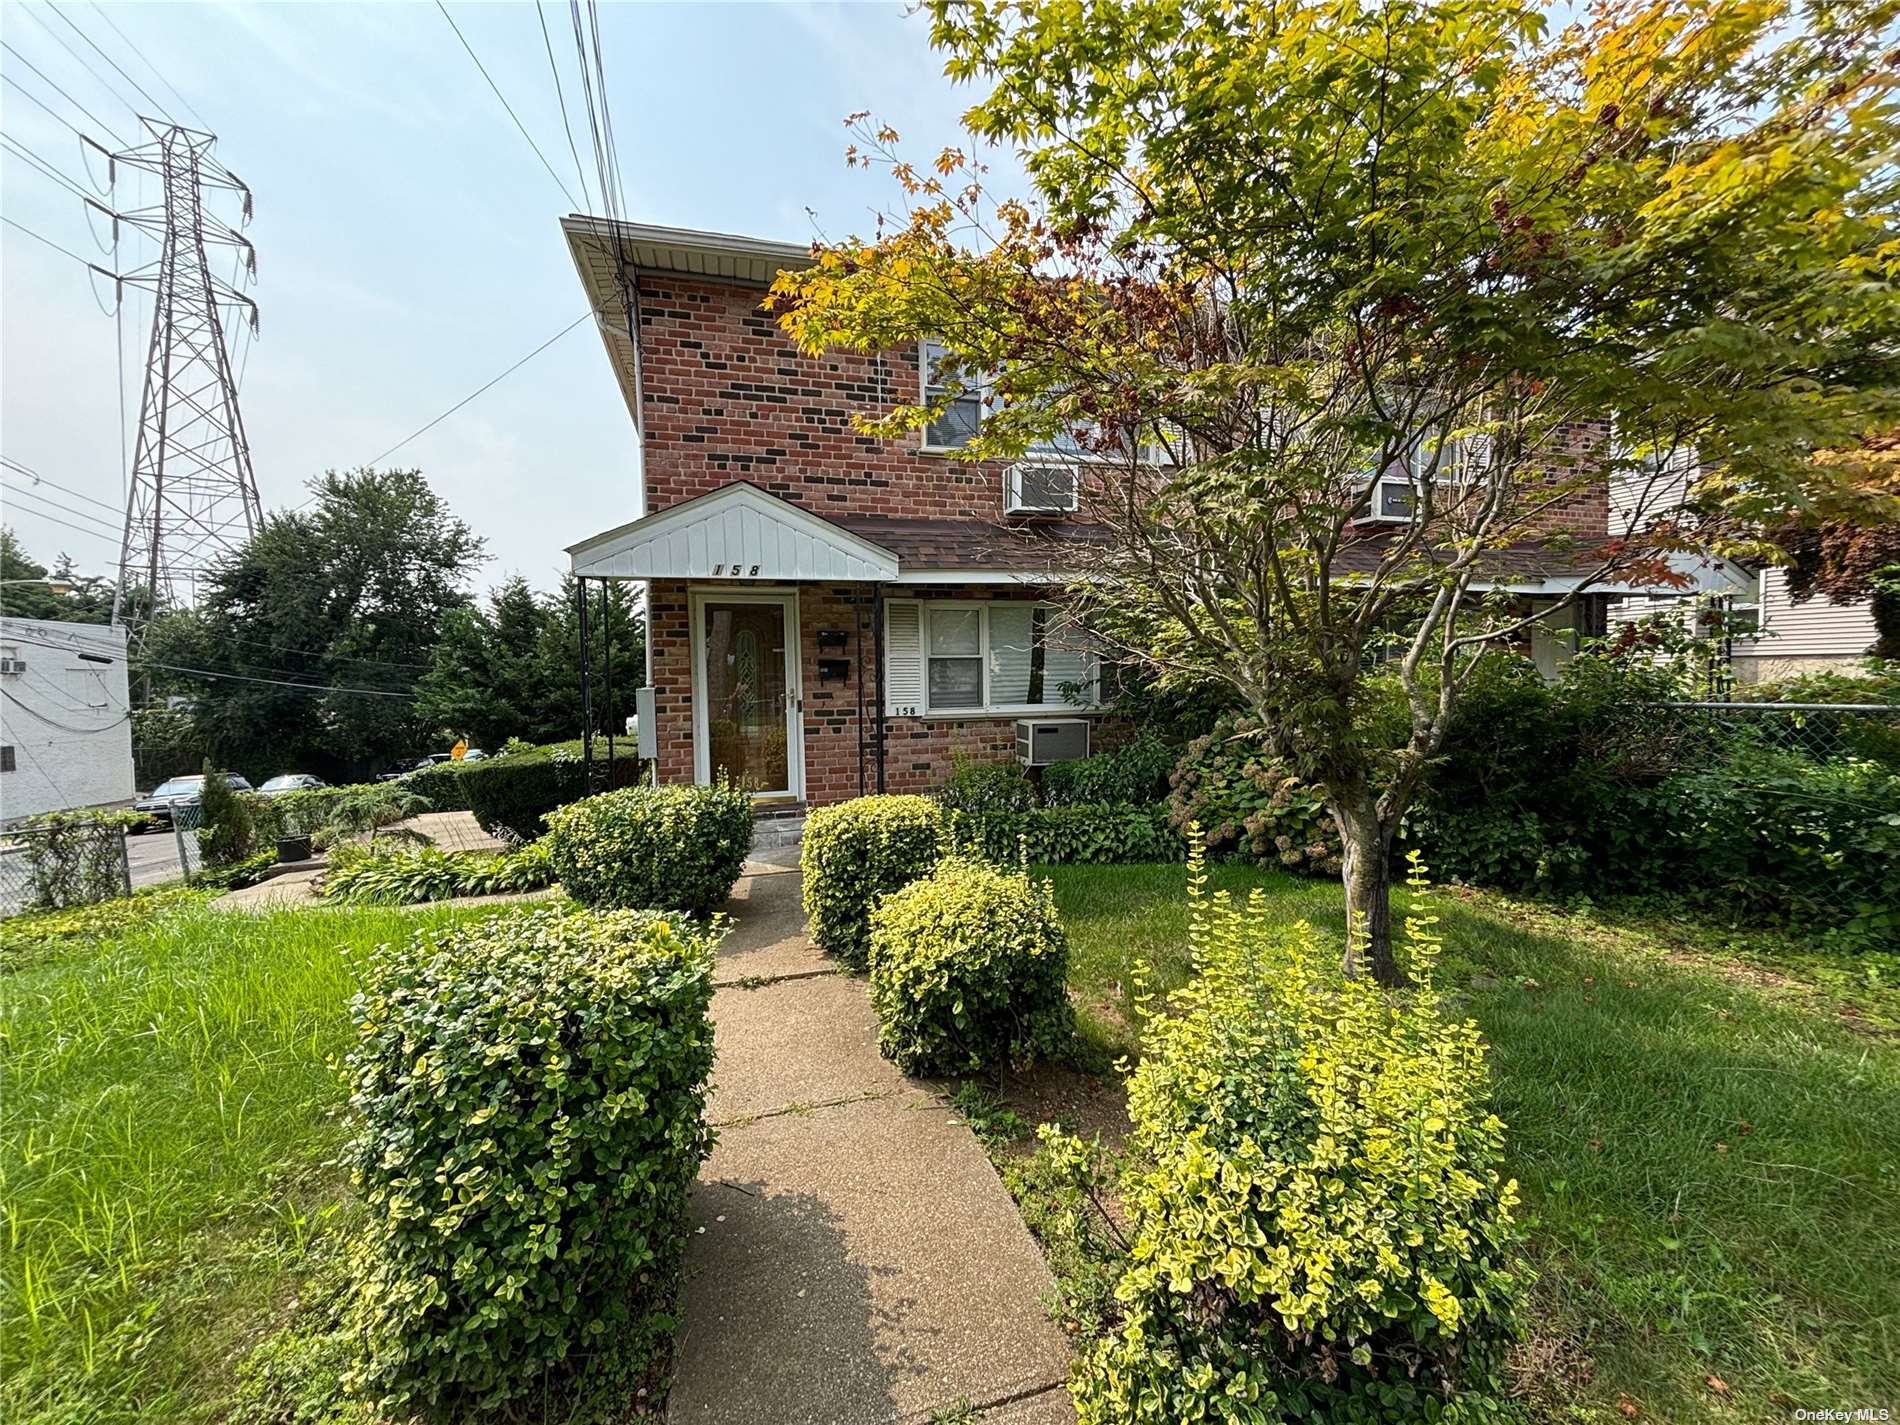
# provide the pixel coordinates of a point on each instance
(154, 857)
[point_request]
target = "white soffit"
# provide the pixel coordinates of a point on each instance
(736, 532)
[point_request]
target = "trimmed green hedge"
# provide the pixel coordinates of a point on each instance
(854, 852)
(511, 795)
(531, 1093)
(680, 847)
(1069, 835)
(969, 971)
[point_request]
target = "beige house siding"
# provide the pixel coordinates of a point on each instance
(1814, 629)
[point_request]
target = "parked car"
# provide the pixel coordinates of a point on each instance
(474, 754)
(163, 800)
(291, 782)
(399, 770)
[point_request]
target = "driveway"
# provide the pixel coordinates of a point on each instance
(154, 858)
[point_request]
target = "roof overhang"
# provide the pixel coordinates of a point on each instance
(737, 531)
(611, 257)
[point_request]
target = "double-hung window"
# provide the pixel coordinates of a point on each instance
(956, 427)
(1004, 656)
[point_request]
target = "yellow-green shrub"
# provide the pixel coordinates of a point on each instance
(1318, 1225)
(530, 1092)
(856, 851)
(969, 970)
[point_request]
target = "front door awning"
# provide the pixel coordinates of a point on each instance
(736, 532)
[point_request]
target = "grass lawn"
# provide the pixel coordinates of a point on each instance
(1708, 1139)
(171, 1119)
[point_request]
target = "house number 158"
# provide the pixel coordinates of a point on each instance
(735, 571)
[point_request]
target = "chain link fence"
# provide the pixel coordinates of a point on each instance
(1817, 781)
(74, 861)
(186, 819)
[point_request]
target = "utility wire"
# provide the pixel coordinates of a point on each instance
(506, 105)
(149, 65)
(27, 470)
(146, 93)
(107, 128)
(143, 662)
(478, 391)
(96, 534)
(20, 150)
(64, 509)
(48, 241)
(78, 58)
(580, 173)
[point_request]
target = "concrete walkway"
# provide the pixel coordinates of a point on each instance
(855, 1260)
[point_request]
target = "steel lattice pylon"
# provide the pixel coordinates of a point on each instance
(192, 494)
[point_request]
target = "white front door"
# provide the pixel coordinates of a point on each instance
(747, 723)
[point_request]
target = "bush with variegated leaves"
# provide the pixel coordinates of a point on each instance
(1318, 1223)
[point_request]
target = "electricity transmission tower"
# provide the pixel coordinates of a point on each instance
(192, 493)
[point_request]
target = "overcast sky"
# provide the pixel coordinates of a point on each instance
(407, 238)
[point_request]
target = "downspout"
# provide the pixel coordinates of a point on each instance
(877, 645)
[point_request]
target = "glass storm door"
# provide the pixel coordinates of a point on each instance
(748, 722)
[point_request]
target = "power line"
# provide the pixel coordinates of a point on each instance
(107, 128)
(149, 65)
(42, 165)
(580, 174)
(506, 105)
(478, 391)
(143, 91)
(227, 677)
(109, 538)
(34, 475)
(65, 509)
(48, 241)
(78, 58)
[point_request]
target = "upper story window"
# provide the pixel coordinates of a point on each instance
(1449, 466)
(957, 426)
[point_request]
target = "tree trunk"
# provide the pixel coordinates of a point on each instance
(1366, 870)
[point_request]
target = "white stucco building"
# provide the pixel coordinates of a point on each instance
(65, 718)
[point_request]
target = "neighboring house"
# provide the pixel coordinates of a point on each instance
(831, 613)
(65, 724)
(1807, 637)
(1787, 638)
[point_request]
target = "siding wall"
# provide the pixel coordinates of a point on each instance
(64, 718)
(1814, 629)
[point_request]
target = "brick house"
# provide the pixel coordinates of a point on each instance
(831, 613)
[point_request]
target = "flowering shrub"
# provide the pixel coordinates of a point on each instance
(1248, 802)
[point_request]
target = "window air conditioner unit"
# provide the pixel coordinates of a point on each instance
(12, 665)
(1043, 740)
(1040, 489)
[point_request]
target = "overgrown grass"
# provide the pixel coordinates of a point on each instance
(171, 1122)
(1710, 1151)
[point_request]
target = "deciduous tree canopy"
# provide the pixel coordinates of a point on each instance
(1275, 250)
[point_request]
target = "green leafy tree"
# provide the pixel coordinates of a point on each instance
(66, 594)
(512, 668)
(1274, 250)
(310, 641)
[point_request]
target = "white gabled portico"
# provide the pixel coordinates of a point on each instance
(735, 532)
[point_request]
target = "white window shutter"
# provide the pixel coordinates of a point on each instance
(903, 658)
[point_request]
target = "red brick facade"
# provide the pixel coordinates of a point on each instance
(919, 753)
(725, 397)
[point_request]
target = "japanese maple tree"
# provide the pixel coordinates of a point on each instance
(1273, 251)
